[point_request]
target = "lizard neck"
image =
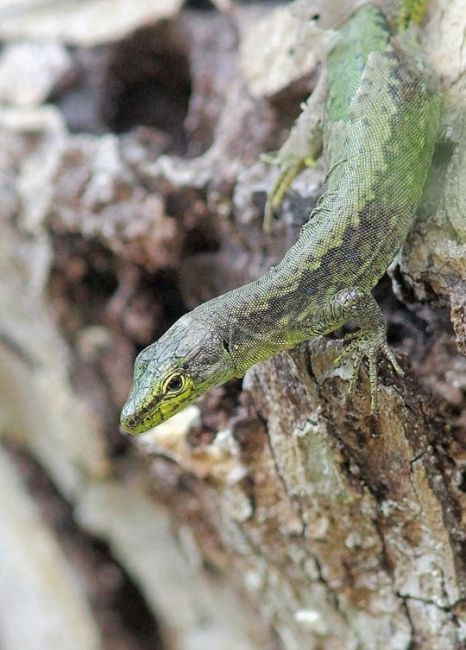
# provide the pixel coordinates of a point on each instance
(263, 317)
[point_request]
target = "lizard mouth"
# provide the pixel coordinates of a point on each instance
(134, 421)
(137, 421)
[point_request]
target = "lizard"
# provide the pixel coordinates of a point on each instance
(377, 133)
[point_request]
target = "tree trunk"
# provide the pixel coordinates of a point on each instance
(277, 513)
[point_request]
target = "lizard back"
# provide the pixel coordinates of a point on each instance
(382, 120)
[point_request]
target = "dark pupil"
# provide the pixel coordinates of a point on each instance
(175, 383)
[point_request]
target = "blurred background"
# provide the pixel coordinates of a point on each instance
(92, 94)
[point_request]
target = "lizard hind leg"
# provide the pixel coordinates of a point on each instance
(354, 305)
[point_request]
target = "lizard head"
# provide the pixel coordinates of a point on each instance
(189, 359)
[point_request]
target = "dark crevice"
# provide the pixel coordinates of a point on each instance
(149, 83)
(405, 608)
(118, 607)
(201, 240)
(85, 278)
(165, 284)
(429, 601)
(416, 458)
(462, 482)
(333, 597)
(203, 5)
(403, 323)
(143, 80)
(114, 311)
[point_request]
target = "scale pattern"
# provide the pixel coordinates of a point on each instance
(379, 153)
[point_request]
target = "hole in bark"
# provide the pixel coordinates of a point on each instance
(200, 240)
(107, 311)
(204, 5)
(380, 491)
(150, 85)
(166, 286)
(462, 483)
(85, 278)
(395, 333)
(82, 280)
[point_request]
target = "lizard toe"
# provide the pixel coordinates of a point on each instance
(363, 346)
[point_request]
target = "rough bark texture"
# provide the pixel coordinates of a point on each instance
(277, 513)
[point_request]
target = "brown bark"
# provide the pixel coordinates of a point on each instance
(278, 513)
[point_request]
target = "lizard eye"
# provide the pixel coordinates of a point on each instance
(174, 384)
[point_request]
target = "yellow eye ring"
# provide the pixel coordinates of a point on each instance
(174, 383)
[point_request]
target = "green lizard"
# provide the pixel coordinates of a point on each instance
(381, 120)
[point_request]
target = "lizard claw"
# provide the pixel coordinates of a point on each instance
(366, 345)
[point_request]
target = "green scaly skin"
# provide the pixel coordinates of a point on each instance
(381, 121)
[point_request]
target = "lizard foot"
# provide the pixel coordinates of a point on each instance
(289, 169)
(366, 345)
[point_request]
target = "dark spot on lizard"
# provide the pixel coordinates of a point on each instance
(352, 255)
(394, 92)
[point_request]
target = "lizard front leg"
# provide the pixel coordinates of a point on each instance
(362, 308)
(300, 150)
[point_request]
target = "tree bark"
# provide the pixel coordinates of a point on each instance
(276, 513)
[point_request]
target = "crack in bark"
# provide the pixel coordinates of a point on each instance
(412, 628)
(416, 458)
(447, 609)
(430, 601)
